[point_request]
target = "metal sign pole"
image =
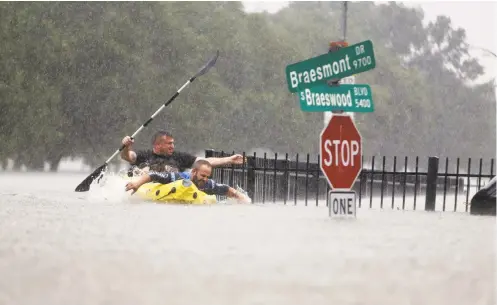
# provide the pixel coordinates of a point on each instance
(329, 114)
(344, 19)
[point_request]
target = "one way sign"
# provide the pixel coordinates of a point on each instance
(342, 204)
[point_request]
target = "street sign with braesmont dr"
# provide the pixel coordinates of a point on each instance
(345, 62)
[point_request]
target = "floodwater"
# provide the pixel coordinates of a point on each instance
(100, 247)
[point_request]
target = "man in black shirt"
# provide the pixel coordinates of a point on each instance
(163, 152)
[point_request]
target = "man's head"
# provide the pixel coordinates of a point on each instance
(201, 172)
(163, 143)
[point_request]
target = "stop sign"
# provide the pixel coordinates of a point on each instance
(341, 152)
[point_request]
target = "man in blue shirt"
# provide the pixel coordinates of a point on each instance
(200, 173)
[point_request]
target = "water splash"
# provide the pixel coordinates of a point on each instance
(110, 187)
(234, 201)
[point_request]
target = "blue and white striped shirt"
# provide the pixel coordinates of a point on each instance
(210, 187)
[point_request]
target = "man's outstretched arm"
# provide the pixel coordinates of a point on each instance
(232, 193)
(213, 188)
(160, 177)
(215, 161)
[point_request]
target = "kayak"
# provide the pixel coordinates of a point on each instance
(180, 191)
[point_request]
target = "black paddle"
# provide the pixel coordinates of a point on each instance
(85, 185)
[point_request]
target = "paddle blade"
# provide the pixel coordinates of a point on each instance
(208, 65)
(85, 185)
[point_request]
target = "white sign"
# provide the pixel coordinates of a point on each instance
(342, 204)
(348, 80)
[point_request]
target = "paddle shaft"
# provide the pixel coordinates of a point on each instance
(152, 117)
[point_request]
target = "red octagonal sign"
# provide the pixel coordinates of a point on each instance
(341, 152)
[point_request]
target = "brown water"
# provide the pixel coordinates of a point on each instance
(100, 247)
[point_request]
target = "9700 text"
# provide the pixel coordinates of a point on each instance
(362, 62)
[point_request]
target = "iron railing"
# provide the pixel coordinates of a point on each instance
(385, 182)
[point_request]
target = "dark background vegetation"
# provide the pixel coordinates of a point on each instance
(76, 77)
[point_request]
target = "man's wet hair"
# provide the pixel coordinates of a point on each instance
(159, 134)
(201, 162)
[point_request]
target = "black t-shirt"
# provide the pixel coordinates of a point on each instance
(177, 162)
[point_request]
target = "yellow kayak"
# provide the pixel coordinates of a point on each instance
(179, 191)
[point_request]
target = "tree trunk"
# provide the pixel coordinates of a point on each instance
(36, 164)
(54, 163)
(17, 163)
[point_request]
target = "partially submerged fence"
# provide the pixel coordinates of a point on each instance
(396, 183)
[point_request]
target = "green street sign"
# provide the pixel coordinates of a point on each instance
(345, 62)
(349, 98)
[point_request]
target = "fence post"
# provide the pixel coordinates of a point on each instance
(209, 153)
(284, 180)
(251, 162)
(431, 184)
(460, 182)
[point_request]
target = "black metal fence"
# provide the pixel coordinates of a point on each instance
(396, 183)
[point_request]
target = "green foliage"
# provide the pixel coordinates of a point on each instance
(75, 77)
